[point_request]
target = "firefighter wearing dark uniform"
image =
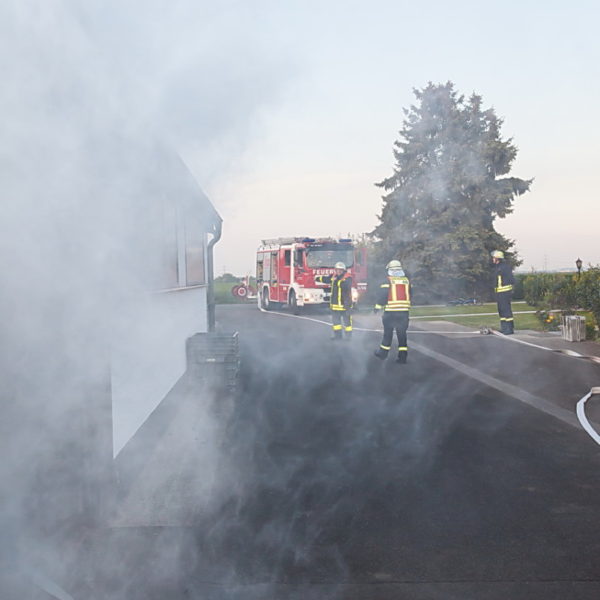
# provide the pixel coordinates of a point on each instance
(340, 301)
(394, 298)
(503, 285)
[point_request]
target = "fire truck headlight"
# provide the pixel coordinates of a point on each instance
(354, 294)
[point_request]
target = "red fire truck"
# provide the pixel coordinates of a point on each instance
(286, 269)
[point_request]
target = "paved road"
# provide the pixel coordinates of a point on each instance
(346, 478)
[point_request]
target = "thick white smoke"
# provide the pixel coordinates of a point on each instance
(97, 99)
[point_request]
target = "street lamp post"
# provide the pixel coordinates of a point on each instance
(578, 264)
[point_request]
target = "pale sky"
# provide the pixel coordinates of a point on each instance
(339, 74)
(286, 111)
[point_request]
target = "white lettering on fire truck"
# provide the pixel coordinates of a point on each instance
(324, 271)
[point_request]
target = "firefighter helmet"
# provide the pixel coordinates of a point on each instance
(340, 265)
(498, 254)
(394, 264)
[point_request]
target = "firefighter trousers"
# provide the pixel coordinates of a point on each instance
(394, 320)
(337, 318)
(507, 323)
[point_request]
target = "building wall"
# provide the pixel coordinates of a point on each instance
(148, 353)
(162, 297)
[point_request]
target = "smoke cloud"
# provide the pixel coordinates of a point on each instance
(97, 100)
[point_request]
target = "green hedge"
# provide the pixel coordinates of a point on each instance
(550, 290)
(588, 291)
(519, 292)
(565, 292)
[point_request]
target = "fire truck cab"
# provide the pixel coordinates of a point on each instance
(287, 268)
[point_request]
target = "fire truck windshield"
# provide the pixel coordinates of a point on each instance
(316, 259)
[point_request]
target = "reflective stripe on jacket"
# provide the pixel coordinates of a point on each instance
(394, 294)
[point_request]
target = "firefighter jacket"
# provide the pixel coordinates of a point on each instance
(394, 294)
(341, 290)
(504, 279)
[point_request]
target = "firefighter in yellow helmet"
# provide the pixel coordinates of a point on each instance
(340, 301)
(503, 286)
(394, 298)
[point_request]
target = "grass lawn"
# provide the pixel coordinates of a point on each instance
(528, 321)
(223, 294)
(524, 321)
(488, 307)
(453, 314)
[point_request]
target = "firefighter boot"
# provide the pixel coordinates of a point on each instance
(336, 335)
(402, 357)
(381, 353)
(510, 327)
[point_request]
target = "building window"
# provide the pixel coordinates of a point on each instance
(169, 277)
(195, 237)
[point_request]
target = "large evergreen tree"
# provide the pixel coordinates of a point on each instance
(449, 185)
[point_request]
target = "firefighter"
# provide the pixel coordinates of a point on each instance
(504, 282)
(394, 298)
(340, 301)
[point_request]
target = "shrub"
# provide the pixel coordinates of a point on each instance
(587, 291)
(590, 330)
(519, 292)
(565, 292)
(535, 287)
(228, 278)
(551, 291)
(562, 294)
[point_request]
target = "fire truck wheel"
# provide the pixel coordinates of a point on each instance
(235, 291)
(264, 299)
(294, 303)
(242, 291)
